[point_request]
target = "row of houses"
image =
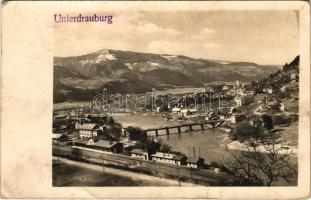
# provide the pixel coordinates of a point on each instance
(231, 114)
(169, 158)
(116, 147)
(187, 113)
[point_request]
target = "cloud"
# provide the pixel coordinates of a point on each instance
(212, 45)
(203, 34)
(180, 47)
(154, 29)
(207, 31)
(170, 47)
(172, 32)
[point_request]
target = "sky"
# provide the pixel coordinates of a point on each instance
(263, 37)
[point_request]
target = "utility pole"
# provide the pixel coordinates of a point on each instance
(191, 172)
(57, 151)
(178, 176)
(219, 102)
(210, 99)
(103, 165)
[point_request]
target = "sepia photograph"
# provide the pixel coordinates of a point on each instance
(155, 100)
(180, 98)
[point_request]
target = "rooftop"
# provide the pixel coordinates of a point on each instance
(81, 141)
(56, 135)
(138, 151)
(176, 109)
(88, 126)
(178, 157)
(105, 143)
(163, 155)
(194, 159)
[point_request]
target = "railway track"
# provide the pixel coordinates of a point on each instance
(129, 163)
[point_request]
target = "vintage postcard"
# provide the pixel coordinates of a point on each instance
(155, 100)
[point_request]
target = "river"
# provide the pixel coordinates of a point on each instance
(205, 143)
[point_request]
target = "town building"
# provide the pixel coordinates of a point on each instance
(176, 110)
(224, 114)
(261, 109)
(235, 118)
(243, 100)
(59, 117)
(195, 162)
(109, 146)
(231, 92)
(259, 98)
(188, 112)
(180, 160)
(283, 88)
(211, 116)
(209, 90)
(168, 158)
(88, 130)
(138, 153)
(293, 77)
(256, 122)
(225, 88)
(62, 129)
(282, 107)
(233, 110)
(103, 145)
(273, 105)
(56, 138)
(83, 142)
(127, 143)
(268, 90)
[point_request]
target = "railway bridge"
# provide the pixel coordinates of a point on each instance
(187, 127)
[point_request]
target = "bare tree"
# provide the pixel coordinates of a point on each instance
(265, 162)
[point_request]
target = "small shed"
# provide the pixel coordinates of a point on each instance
(195, 162)
(176, 110)
(109, 146)
(138, 153)
(180, 160)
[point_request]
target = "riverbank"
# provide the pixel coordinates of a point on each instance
(72, 173)
(288, 134)
(144, 121)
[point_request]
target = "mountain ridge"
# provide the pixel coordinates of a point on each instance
(76, 77)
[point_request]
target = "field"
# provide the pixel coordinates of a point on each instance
(290, 133)
(71, 173)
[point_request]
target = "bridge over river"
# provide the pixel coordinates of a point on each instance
(187, 127)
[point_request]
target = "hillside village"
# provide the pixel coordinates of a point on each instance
(271, 103)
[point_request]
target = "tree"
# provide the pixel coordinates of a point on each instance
(283, 95)
(244, 131)
(116, 130)
(268, 122)
(136, 134)
(153, 147)
(165, 148)
(263, 163)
